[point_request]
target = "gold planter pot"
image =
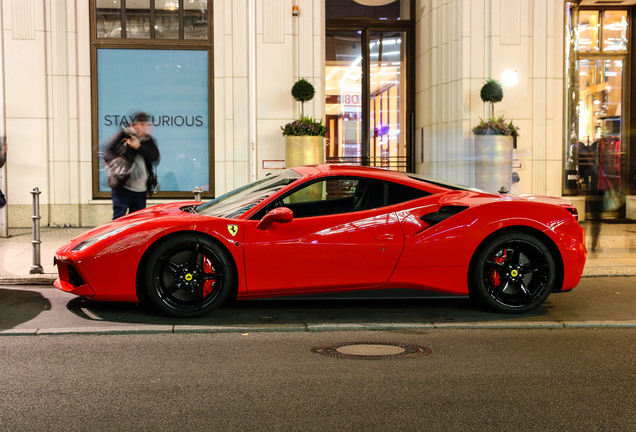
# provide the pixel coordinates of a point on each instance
(304, 150)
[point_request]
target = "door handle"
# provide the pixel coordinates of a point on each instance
(385, 237)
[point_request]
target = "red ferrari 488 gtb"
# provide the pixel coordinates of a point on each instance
(328, 229)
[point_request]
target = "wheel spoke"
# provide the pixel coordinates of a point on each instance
(170, 265)
(525, 291)
(496, 295)
(194, 257)
(495, 264)
(196, 296)
(213, 276)
(516, 254)
(167, 291)
(541, 267)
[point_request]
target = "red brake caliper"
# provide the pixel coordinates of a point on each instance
(494, 274)
(208, 285)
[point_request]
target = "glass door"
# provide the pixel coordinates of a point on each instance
(343, 96)
(366, 99)
(387, 58)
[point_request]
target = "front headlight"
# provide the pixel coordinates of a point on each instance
(91, 241)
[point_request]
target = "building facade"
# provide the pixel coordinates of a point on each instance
(397, 83)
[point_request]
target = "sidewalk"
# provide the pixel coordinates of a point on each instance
(615, 255)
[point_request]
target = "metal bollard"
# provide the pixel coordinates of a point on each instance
(197, 193)
(36, 267)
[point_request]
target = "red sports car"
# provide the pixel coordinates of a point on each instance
(326, 229)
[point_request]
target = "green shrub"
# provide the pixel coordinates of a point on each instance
(496, 126)
(305, 126)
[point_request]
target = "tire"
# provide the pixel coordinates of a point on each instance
(188, 275)
(512, 273)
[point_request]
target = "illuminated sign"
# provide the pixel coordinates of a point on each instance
(351, 99)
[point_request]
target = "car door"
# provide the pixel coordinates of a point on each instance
(341, 237)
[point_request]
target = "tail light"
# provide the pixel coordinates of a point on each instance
(574, 212)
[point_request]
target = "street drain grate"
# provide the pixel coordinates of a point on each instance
(372, 350)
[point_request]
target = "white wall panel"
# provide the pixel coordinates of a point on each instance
(239, 38)
(240, 112)
(23, 19)
(272, 21)
(273, 81)
(540, 139)
(305, 54)
(25, 77)
(84, 126)
(510, 21)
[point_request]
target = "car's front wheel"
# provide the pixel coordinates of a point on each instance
(513, 273)
(188, 275)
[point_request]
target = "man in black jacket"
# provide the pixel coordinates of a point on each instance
(135, 151)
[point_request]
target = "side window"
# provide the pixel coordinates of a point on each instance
(326, 190)
(333, 196)
(399, 193)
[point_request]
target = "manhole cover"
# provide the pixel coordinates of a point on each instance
(372, 350)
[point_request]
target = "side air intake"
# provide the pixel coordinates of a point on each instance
(442, 214)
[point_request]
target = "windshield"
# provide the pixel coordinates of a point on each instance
(233, 204)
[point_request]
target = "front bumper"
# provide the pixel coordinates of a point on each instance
(70, 280)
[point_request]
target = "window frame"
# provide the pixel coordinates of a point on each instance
(366, 27)
(149, 44)
(386, 201)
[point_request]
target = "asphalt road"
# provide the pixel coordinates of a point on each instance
(472, 380)
(74, 365)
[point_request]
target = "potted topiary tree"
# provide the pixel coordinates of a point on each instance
(494, 142)
(303, 91)
(491, 93)
(304, 138)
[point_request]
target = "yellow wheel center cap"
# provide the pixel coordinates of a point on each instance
(514, 273)
(188, 277)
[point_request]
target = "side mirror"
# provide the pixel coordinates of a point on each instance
(278, 215)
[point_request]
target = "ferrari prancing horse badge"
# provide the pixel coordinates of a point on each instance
(233, 229)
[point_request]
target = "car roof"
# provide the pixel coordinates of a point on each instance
(352, 170)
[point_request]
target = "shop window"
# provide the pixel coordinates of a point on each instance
(138, 19)
(597, 153)
(588, 30)
(615, 30)
(109, 14)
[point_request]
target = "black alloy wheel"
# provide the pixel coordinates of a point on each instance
(513, 273)
(188, 275)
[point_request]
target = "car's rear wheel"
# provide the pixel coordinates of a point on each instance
(513, 273)
(188, 275)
